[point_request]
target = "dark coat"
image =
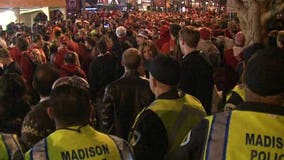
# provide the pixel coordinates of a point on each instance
(123, 100)
(103, 70)
(197, 78)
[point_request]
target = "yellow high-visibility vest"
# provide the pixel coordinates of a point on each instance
(66, 144)
(178, 117)
(245, 135)
(9, 145)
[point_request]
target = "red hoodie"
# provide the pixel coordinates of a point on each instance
(164, 36)
(71, 70)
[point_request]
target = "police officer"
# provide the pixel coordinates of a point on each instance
(74, 138)
(10, 148)
(254, 130)
(159, 129)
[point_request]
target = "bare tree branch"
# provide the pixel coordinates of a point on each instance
(272, 11)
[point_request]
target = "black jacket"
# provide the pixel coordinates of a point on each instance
(197, 78)
(103, 70)
(149, 137)
(123, 100)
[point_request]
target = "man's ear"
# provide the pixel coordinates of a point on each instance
(50, 112)
(182, 41)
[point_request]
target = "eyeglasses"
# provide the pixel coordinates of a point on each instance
(71, 81)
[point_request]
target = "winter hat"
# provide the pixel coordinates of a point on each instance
(143, 33)
(240, 39)
(264, 74)
(165, 69)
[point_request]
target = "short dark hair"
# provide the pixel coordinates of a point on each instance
(190, 35)
(45, 75)
(13, 86)
(174, 29)
(102, 45)
(91, 41)
(70, 57)
(36, 37)
(71, 104)
(57, 33)
(131, 58)
(22, 43)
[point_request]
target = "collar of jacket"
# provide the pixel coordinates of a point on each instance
(130, 74)
(191, 53)
(171, 94)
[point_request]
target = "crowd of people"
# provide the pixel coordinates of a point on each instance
(139, 85)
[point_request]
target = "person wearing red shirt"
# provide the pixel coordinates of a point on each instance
(58, 58)
(70, 68)
(37, 47)
(169, 46)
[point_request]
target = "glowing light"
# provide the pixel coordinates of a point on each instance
(6, 18)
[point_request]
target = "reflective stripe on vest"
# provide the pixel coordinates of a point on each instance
(87, 144)
(39, 151)
(261, 137)
(178, 117)
(216, 139)
(9, 145)
(124, 148)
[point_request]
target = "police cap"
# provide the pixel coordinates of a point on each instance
(165, 69)
(264, 73)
